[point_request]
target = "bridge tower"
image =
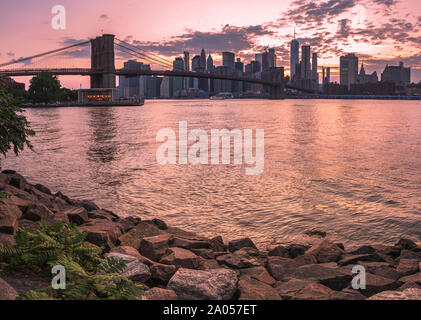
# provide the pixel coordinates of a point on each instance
(102, 59)
(276, 75)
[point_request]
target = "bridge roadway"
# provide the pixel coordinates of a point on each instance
(129, 73)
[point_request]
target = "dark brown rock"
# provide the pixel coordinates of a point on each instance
(217, 244)
(160, 224)
(43, 189)
(77, 215)
(181, 258)
(160, 294)
(6, 291)
(353, 259)
(305, 259)
(135, 236)
(289, 289)
(37, 212)
(252, 289)
(188, 244)
(296, 250)
(279, 251)
(204, 253)
(333, 278)
(326, 251)
(154, 247)
(407, 267)
(162, 273)
(259, 273)
(240, 243)
(416, 278)
(376, 284)
(406, 244)
(102, 233)
(7, 240)
(130, 251)
(280, 268)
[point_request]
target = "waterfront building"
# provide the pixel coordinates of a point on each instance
(132, 86)
(348, 66)
(209, 64)
(223, 85)
(400, 75)
(294, 57)
(314, 71)
(305, 62)
(166, 89)
(186, 68)
(363, 78)
(228, 60)
(259, 58)
(177, 82)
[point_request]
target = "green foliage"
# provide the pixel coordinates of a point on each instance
(14, 128)
(67, 95)
(88, 276)
(44, 87)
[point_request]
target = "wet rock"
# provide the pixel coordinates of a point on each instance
(237, 261)
(155, 247)
(126, 250)
(326, 251)
(363, 250)
(333, 278)
(135, 270)
(240, 243)
(77, 215)
(17, 181)
(37, 212)
(280, 268)
(305, 259)
(160, 224)
(181, 258)
(43, 189)
(101, 214)
(160, 294)
(315, 233)
(408, 285)
(296, 250)
(208, 264)
(406, 244)
(127, 224)
(407, 294)
(407, 267)
(217, 284)
(89, 205)
(204, 253)
(6, 291)
(314, 291)
(407, 254)
(189, 244)
(252, 289)
(289, 289)
(162, 273)
(353, 259)
(386, 272)
(135, 236)
(259, 273)
(102, 233)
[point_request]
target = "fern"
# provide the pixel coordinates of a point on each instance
(88, 276)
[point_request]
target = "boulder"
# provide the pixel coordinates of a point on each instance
(305, 259)
(208, 264)
(408, 285)
(353, 259)
(407, 294)
(101, 233)
(296, 250)
(29, 225)
(407, 267)
(127, 224)
(409, 254)
(43, 189)
(17, 181)
(280, 268)
(160, 224)
(314, 291)
(162, 273)
(7, 240)
(363, 250)
(6, 291)
(259, 273)
(37, 212)
(189, 244)
(326, 251)
(154, 247)
(205, 253)
(406, 244)
(181, 258)
(77, 215)
(135, 235)
(416, 278)
(217, 284)
(135, 270)
(240, 243)
(8, 225)
(236, 261)
(252, 289)
(376, 284)
(280, 251)
(289, 289)
(333, 278)
(217, 244)
(130, 251)
(102, 214)
(160, 294)
(387, 272)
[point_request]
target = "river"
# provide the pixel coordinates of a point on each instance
(351, 168)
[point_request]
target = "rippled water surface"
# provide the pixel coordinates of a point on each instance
(348, 167)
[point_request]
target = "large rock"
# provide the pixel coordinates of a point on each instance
(217, 284)
(406, 244)
(135, 270)
(181, 258)
(6, 291)
(102, 214)
(154, 247)
(416, 278)
(37, 212)
(407, 267)
(289, 289)
(188, 243)
(407, 294)
(130, 251)
(101, 233)
(246, 257)
(333, 278)
(135, 235)
(305, 259)
(77, 215)
(296, 250)
(217, 244)
(376, 284)
(314, 291)
(240, 243)
(353, 259)
(280, 268)
(326, 251)
(278, 250)
(162, 273)
(9, 215)
(259, 273)
(252, 289)
(160, 294)
(7, 240)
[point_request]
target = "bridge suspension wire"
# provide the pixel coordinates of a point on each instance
(142, 56)
(144, 53)
(43, 54)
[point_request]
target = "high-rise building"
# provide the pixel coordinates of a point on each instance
(314, 73)
(132, 86)
(348, 66)
(272, 58)
(364, 78)
(228, 59)
(400, 75)
(223, 85)
(259, 58)
(209, 64)
(177, 86)
(186, 61)
(166, 89)
(294, 57)
(239, 70)
(305, 62)
(255, 67)
(203, 59)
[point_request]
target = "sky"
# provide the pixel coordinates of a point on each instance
(379, 32)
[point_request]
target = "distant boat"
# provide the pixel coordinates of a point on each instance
(222, 96)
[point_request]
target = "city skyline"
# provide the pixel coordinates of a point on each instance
(379, 32)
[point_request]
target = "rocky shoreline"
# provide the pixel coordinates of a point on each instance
(177, 265)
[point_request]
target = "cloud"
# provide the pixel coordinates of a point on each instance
(104, 17)
(76, 52)
(11, 54)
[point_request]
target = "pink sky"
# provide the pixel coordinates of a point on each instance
(378, 31)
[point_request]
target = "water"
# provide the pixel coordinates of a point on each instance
(351, 168)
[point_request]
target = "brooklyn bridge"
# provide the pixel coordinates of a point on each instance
(103, 72)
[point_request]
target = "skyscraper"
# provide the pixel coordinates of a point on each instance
(314, 73)
(294, 57)
(305, 62)
(398, 74)
(259, 58)
(177, 86)
(203, 59)
(228, 60)
(348, 66)
(272, 58)
(186, 68)
(209, 64)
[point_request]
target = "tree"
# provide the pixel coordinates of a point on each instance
(14, 128)
(45, 87)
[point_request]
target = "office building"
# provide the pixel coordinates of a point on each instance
(314, 72)
(400, 75)
(294, 57)
(348, 66)
(177, 83)
(132, 86)
(228, 60)
(305, 63)
(364, 78)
